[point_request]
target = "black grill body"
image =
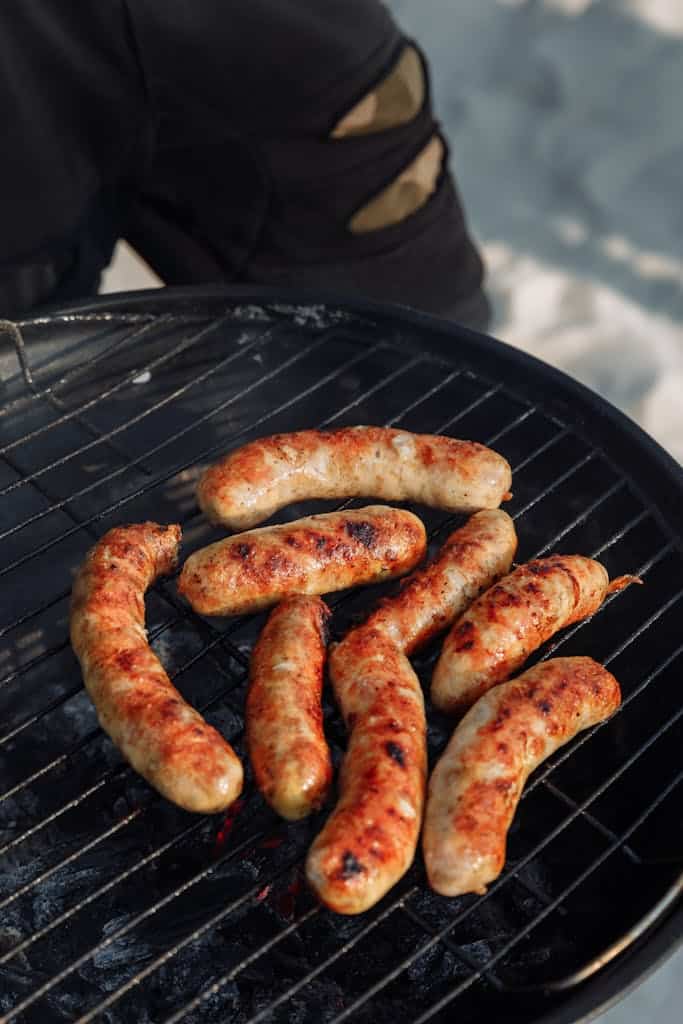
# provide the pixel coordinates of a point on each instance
(117, 906)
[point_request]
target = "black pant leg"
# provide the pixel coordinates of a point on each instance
(74, 117)
(245, 161)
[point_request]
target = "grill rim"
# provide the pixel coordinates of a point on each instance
(614, 981)
(616, 423)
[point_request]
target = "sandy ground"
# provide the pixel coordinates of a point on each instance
(564, 118)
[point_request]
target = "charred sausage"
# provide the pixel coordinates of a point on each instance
(510, 620)
(254, 481)
(289, 754)
(476, 785)
(471, 559)
(158, 733)
(369, 841)
(315, 555)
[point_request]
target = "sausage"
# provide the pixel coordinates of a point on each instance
(289, 754)
(510, 620)
(476, 785)
(369, 841)
(158, 733)
(315, 555)
(429, 600)
(254, 481)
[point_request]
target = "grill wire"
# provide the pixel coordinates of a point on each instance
(117, 906)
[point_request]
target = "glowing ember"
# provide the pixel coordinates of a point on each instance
(226, 828)
(272, 842)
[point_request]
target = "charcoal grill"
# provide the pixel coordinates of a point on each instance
(116, 906)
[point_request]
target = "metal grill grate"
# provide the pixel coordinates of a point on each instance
(117, 906)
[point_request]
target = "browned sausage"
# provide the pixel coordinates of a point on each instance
(500, 630)
(289, 755)
(315, 555)
(251, 483)
(472, 558)
(162, 737)
(369, 841)
(476, 785)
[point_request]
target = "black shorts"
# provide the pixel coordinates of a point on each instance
(204, 133)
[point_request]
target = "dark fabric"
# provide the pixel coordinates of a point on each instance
(254, 68)
(200, 131)
(73, 118)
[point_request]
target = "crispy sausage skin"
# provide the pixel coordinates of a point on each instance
(315, 555)
(289, 754)
(158, 733)
(476, 785)
(254, 481)
(510, 620)
(369, 841)
(471, 559)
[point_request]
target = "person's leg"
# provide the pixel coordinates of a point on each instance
(368, 204)
(73, 111)
(298, 145)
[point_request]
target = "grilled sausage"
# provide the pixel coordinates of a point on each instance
(476, 785)
(472, 558)
(369, 841)
(161, 736)
(251, 483)
(315, 555)
(289, 755)
(510, 620)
